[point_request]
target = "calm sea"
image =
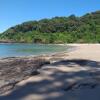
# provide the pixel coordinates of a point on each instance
(20, 49)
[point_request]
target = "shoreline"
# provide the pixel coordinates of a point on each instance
(76, 74)
(72, 47)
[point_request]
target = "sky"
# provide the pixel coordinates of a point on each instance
(13, 12)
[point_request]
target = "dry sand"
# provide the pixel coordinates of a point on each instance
(77, 77)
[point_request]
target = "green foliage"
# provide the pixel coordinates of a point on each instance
(85, 29)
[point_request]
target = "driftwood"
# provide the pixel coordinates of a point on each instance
(13, 70)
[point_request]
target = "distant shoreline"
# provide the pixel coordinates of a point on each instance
(72, 47)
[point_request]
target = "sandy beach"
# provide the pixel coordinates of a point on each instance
(75, 77)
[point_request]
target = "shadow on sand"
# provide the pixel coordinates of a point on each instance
(56, 86)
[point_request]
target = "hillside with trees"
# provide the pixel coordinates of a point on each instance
(72, 29)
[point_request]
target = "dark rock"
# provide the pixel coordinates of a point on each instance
(14, 70)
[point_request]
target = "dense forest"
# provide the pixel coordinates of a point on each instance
(72, 29)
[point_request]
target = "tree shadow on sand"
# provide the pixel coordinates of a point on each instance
(62, 85)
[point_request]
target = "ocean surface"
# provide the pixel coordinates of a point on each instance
(21, 49)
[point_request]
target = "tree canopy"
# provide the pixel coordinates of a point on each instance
(72, 29)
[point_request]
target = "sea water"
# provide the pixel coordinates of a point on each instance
(22, 49)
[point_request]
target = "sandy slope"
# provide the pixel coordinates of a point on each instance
(86, 51)
(76, 78)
